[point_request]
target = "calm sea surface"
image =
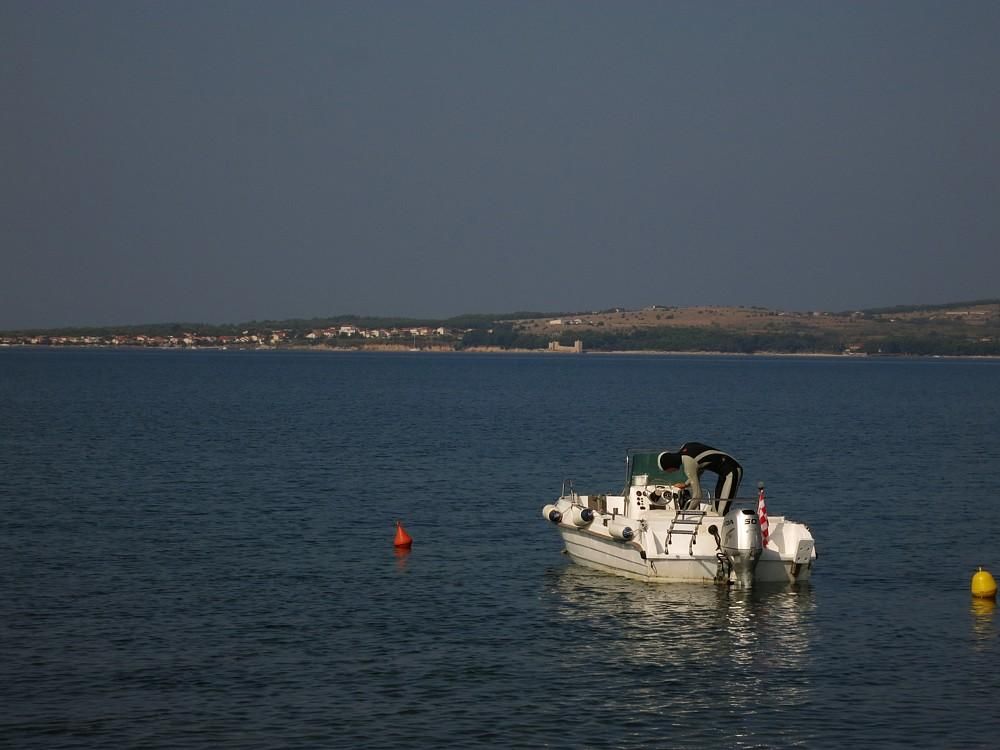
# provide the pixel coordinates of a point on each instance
(196, 551)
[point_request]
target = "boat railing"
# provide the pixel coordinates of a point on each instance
(739, 502)
(727, 503)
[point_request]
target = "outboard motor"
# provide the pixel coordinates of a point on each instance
(742, 543)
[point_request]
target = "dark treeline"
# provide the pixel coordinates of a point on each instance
(708, 339)
(667, 339)
(934, 345)
(677, 339)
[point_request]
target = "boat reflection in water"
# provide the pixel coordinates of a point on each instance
(683, 650)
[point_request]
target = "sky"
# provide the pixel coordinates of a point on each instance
(223, 162)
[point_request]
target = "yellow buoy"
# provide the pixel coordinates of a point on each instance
(983, 585)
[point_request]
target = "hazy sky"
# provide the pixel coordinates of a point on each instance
(228, 161)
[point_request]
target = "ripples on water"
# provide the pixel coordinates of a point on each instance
(197, 551)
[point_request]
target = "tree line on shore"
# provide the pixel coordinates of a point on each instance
(680, 339)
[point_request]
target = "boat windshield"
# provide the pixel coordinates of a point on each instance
(686, 466)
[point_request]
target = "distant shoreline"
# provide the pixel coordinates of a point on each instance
(398, 349)
(963, 330)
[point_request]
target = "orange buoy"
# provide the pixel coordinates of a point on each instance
(403, 540)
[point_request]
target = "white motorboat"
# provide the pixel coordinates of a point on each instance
(666, 526)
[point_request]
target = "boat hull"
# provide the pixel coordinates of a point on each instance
(629, 559)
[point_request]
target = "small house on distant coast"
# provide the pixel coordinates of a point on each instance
(577, 348)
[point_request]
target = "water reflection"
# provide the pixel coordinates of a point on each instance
(983, 626)
(685, 637)
(402, 557)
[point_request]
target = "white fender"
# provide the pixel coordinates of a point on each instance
(621, 530)
(580, 516)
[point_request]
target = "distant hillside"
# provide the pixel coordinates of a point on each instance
(962, 328)
(928, 309)
(955, 329)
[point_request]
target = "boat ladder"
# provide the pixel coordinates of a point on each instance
(686, 522)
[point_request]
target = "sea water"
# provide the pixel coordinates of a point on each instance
(197, 551)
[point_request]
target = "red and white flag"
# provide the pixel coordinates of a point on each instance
(762, 516)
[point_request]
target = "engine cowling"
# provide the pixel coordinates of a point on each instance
(742, 543)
